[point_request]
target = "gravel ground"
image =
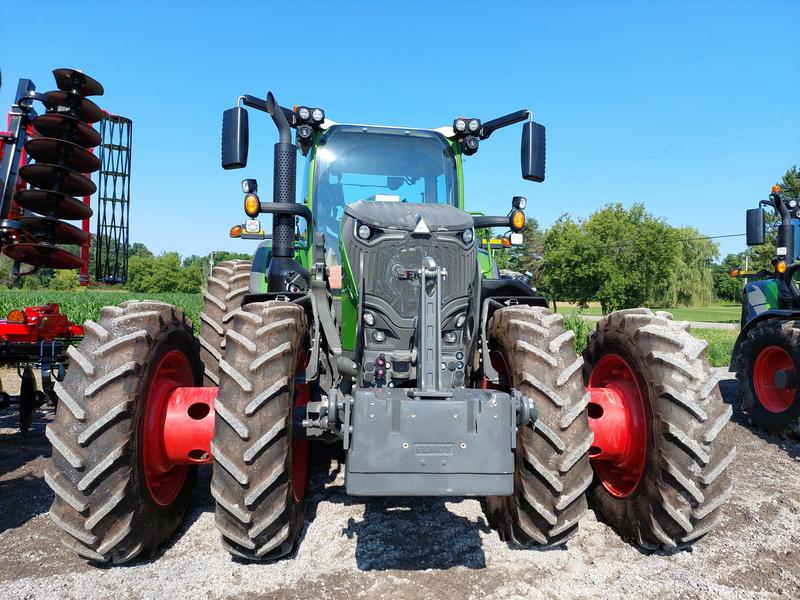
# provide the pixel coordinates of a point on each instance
(426, 548)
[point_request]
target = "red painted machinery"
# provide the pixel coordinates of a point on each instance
(46, 160)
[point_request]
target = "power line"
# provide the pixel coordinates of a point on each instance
(760, 128)
(565, 208)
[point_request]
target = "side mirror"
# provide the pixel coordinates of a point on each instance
(533, 151)
(756, 231)
(235, 138)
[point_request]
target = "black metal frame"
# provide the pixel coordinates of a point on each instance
(113, 200)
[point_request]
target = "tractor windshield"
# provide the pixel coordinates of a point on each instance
(378, 163)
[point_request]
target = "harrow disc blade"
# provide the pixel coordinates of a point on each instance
(60, 125)
(77, 106)
(52, 230)
(70, 80)
(62, 179)
(62, 153)
(53, 204)
(43, 255)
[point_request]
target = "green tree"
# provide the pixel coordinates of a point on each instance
(526, 258)
(692, 279)
(163, 273)
(726, 287)
(65, 279)
(618, 256)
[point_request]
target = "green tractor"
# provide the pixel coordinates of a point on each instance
(371, 317)
(766, 357)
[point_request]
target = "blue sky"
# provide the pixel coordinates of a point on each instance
(689, 107)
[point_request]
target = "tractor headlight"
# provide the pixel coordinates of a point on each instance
(468, 236)
(378, 336)
(318, 115)
(792, 203)
(471, 144)
(519, 202)
(474, 125)
(305, 132)
(460, 320)
(369, 319)
(450, 337)
(249, 186)
(303, 113)
(364, 232)
(460, 125)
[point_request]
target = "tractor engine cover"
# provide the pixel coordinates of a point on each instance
(403, 445)
(401, 236)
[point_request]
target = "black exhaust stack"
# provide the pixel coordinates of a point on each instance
(283, 187)
(285, 274)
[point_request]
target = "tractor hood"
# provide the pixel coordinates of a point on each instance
(407, 216)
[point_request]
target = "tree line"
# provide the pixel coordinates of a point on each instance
(627, 257)
(621, 257)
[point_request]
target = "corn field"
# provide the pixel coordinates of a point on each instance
(81, 305)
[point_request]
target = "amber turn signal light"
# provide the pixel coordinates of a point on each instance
(236, 231)
(252, 205)
(781, 267)
(517, 220)
(16, 316)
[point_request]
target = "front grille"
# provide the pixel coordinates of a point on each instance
(383, 261)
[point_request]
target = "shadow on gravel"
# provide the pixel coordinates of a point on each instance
(731, 395)
(412, 534)
(24, 495)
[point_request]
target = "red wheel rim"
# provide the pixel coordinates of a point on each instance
(618, 419)
(772, 360)
(300, 447)
(164, 480)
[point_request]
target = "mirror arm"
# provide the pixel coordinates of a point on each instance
(481, 222)
(489, 127)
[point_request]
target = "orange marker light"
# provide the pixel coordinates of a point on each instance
(776, 189)
(16, 316)
(252, 205)
(236, 231)
(781, 267)
(734, 272)
(517, 220)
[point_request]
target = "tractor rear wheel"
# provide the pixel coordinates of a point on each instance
(656, 412)
(768, 367)
(116, 496)
(535, 355)
(228, 283)
(260, 472)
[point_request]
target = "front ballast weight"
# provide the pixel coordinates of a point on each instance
(432, 440)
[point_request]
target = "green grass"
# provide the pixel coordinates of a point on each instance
(720, 344)
(713, 313)
(81, 305)
(720, 341)
(86, 304)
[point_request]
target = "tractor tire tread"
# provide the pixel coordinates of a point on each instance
(96, 498)
(552, 465)
(257, 514)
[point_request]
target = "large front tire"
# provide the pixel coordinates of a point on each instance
(552, 469)
(771, 349)
(110, 502)
(259, 473)
(227, 285)
(659, 461)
